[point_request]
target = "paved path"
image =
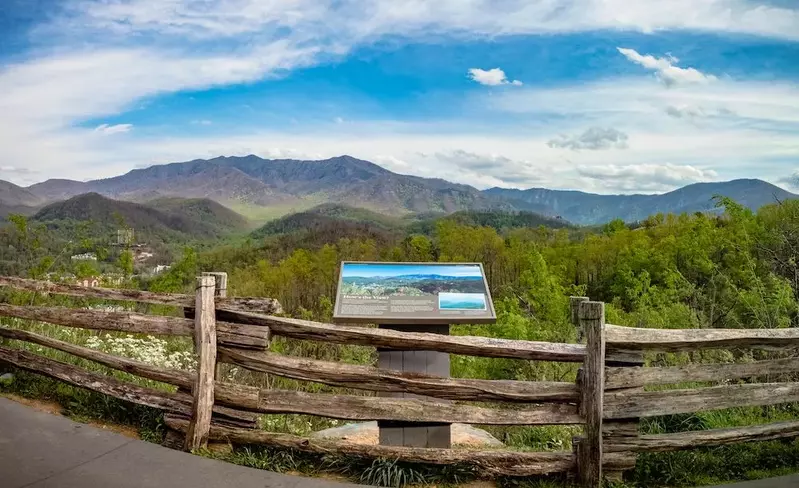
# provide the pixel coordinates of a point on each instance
(40, 450)
(781, 482)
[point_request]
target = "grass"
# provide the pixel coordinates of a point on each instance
(259, 215)
(377, 472)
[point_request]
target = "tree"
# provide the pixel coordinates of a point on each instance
(125, 262)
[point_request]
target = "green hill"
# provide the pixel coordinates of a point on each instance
(323, 217)
(499, 220)
(172, 221)
(203, 210)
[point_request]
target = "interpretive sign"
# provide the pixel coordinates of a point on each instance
(413, 293)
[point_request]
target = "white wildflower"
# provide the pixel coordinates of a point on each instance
(150, 349)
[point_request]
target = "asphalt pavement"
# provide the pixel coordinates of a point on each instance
(41, 450)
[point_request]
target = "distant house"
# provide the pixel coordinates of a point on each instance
(140, 255)
(91, 282)
(87, 256)
(125, 237)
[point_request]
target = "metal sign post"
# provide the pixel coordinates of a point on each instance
(414, 297)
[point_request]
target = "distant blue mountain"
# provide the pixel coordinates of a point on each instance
(588, 208)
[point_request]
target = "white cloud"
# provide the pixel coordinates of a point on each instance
(157, 47)
(697, 111)
(201, 122)
(367, 19)
(18, 170)
(594, 138)
(497, 168)
(665, 68)
(108, 130)
(792, 182)
(392, 163)
(632, 102)
(491, 77)
(645, 177)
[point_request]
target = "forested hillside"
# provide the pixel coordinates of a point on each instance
(737, 269)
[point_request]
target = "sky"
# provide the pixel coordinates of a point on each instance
(606, 96)
(371, 270)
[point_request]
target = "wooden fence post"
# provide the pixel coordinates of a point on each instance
(220, 291)
(591, 316)
(574, 308)
(221, 283)
(205, 347)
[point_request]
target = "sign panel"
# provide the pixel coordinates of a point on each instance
(413, 293)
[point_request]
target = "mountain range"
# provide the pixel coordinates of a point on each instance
(253, 182)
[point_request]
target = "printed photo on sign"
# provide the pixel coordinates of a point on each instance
(461, 301)
(361, 279)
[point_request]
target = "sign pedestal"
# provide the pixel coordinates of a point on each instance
(415, 434)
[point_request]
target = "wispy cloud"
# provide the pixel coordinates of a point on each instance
(491, 77)
(594, 138)
(646, 177)
(108, 130)
(792, 181)
(666, 69)
(18, 171)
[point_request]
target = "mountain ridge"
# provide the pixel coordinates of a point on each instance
(345, 180)
(591, 208)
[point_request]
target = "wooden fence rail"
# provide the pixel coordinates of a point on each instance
(607, 399)
(243, 304)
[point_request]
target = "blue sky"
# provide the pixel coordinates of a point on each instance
(371, 270)
(606, 96)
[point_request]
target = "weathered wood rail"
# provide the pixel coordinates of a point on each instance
(607, 399)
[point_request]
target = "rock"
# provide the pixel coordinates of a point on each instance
(367, 433)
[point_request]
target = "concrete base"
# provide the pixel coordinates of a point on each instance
(367, 433)
(434, 363)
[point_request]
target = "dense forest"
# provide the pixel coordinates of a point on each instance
(736, 269)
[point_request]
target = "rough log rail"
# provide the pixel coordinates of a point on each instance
(349, 407)
(702, 438)
(391, 339)
(179, 403)
(681, 340)
(344, 407)
(244, 304)
(374, 379)
(489, 462)
(236, 335)
(618, 377)
(625, 404)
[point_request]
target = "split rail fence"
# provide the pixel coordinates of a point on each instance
(607, 399)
